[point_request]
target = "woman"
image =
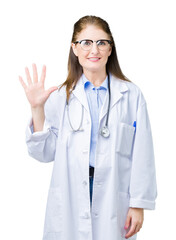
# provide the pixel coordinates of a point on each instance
(96, 129)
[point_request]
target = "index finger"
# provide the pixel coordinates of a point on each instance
(42, 79)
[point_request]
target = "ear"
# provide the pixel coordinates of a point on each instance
(110, 50)
(74, 48)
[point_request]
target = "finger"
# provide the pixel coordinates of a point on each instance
(42, 79)
(28, 76)
(35, 75)
(138, 227)
(50, 90)
(127, 223)
(131, 231)
(22, 83)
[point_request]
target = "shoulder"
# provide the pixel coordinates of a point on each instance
(55, 103)
(136, 91)
(57, 96)
(132, 90)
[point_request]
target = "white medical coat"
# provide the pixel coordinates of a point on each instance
(124, 173)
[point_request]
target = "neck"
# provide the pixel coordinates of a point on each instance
(95, 77)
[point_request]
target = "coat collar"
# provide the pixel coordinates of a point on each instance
(118, 88)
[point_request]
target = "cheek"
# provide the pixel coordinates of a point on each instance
(105, 57)
(82, 57)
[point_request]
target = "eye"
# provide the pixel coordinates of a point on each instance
(101, 43)
(86, 42)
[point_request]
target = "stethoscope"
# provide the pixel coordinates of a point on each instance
(104, 130)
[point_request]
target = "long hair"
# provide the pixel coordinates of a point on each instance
(75, 70)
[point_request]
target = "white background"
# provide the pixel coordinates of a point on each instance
(40, 31)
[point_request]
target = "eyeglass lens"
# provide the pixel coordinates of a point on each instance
(101, 44)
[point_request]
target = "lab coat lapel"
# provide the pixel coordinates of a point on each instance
(118, 87)
(80, 94)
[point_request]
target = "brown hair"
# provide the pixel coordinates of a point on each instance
(75, 69)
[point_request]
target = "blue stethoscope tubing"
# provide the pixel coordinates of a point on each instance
(104, 130)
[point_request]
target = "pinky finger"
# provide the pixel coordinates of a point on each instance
(22, 83)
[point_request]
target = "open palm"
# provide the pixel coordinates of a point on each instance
(34, 90)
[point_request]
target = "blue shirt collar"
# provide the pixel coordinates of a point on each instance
(88, 84)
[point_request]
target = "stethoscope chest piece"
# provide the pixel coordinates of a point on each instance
(105, 132)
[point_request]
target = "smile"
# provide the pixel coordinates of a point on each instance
(94, 59)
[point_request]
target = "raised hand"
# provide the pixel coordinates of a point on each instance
(34, 90)
(36, 95)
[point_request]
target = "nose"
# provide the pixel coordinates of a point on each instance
(94, 48)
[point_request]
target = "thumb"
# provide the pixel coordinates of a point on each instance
(127, 223)
(50, 90)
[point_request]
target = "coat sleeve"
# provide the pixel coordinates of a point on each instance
(42, 145)
(143, 188)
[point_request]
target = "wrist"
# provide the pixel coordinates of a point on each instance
(37, 109)
(38, 117)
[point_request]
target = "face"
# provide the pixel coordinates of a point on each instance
(93, 60)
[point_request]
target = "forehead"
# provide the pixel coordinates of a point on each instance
(92, 32)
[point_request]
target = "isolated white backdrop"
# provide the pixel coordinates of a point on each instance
(40, 31)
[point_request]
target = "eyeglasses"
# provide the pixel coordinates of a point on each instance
(87, 44)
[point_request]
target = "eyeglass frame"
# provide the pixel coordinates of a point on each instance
(109, 41)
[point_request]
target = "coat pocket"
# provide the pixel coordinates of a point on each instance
(53, 217)
(125, 136)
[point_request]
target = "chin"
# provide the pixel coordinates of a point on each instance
(94, 68)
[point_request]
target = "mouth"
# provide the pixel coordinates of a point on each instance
(94, 59)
